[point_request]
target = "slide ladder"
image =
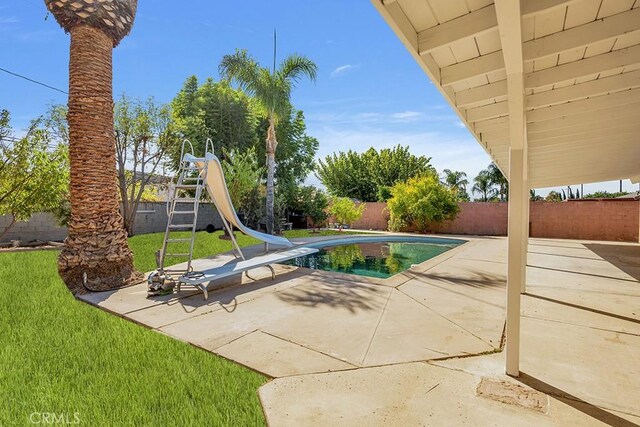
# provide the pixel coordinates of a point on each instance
(182, 212)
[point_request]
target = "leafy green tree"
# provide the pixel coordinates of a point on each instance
(346, 174)
(553, 196)
(345, 211)
(243, 175)
(271, 89)
(535, 197)
(34, 171)
(457, 180)
(421, 201)
(484, 186)
(368, 176)
(213, 111)
(144, 133)
(605, 195)
(312, 202)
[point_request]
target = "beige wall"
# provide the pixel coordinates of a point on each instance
(615, 219)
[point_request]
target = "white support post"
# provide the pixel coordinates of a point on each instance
(510, 27)
(525, 236)
(526, 203)
(515, 266)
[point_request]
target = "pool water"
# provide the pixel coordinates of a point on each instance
(371, 259)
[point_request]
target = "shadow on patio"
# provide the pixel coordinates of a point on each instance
(626, 258)
(336, 293)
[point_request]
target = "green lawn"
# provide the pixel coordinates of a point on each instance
(59, 355)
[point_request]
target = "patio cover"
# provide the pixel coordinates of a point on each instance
(549, 88)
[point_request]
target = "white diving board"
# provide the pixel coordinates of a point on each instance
(201, 279)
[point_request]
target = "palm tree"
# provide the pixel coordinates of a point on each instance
(95, 255)
(456, 179)
(484, 186)
(497, 178)
(272, 91)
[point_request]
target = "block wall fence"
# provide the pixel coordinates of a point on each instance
(612, 219)
(150, 218)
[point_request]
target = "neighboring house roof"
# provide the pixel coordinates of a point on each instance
(634, 196)
(156, 179)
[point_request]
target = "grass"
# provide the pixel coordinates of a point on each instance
(61, 356)
(144, 246)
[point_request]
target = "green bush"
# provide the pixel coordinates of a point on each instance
(421, 201)
(314, 204)
(345, 211)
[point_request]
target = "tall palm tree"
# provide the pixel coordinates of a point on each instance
(272, 91)
(497, 178)
(96, 254)
(484, 186)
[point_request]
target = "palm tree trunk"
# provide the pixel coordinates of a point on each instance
(96, 251)
(272, 143)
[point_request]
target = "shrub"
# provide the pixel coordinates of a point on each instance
(421, 201)
(314, 205)
(345, 210)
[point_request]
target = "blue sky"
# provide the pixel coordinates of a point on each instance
(370, 91)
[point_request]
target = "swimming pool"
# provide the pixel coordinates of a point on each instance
(373, 256)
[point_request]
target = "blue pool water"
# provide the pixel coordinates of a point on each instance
(380, 257)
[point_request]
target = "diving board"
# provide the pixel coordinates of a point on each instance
(201, 279)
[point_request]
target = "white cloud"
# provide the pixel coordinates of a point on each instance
(9, 20)
(407, 115)
(342, 69)
(460, 124)
(354, 119)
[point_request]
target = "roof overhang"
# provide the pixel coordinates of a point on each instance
(566, 71)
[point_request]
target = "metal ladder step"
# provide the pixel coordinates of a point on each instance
(187, 190)
(180, 225)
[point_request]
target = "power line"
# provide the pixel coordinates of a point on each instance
(33, 81)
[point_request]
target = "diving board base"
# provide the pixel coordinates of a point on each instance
(201, 279)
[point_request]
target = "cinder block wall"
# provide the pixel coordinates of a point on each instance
(151, 218)
(477, 218)
(613, 219)
(374, 217)
(41, 226)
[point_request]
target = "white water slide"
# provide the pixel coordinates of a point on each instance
(211, 170)
(219, 193)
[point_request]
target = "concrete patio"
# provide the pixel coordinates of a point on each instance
(425, 346)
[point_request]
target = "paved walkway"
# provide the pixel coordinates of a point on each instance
(424, 347)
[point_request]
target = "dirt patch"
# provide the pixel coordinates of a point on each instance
(513, 394)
